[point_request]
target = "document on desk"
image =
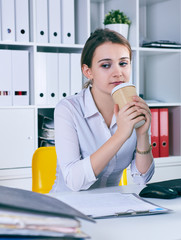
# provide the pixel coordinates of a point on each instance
(103, 205)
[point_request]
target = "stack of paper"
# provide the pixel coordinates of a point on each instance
(46, 133)
(26, 213)
(14, 222)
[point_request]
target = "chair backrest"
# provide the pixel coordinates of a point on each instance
(44, 164)
(123, 180)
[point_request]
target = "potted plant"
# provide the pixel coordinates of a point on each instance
(117, 21)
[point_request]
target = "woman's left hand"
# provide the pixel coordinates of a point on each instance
(143, 109)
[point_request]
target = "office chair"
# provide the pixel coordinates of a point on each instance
(44, 163)
(123, 180)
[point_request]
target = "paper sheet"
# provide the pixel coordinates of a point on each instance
(109, 204)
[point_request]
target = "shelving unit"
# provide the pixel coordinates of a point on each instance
(156, 73)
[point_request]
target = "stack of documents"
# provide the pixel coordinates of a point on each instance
(46, 133)
(102, 205)
(26, 213)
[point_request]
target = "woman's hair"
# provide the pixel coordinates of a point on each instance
(96, 39)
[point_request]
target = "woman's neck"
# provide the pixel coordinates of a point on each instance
(105, 105)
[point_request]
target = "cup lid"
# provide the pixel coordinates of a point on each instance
(122, 85)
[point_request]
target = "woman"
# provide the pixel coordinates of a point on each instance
(95, 141)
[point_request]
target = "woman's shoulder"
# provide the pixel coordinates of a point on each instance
(72, 102)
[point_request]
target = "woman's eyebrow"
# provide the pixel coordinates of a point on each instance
(109, 59)
(104, 59)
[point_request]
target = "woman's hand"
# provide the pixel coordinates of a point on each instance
(127, 117)
(142, 108)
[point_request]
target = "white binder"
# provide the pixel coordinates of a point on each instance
(64, 75)
(40, 87)
(68, 22)
(54, 21)
(20, 78)
(5, 78)
(42, 21)
(52, 78)
(75, 73)
(82, 21)
(22, 20)
(7, 20)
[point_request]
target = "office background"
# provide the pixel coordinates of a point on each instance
(40, 47)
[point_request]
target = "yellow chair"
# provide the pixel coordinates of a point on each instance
(44, 164)
(123, 180)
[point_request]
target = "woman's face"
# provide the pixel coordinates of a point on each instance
(110, 66)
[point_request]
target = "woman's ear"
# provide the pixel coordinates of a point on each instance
(87, 71)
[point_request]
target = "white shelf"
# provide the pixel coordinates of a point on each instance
(156, 71)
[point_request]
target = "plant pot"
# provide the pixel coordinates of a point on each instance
(120, 28)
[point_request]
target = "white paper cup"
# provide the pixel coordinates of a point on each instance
(123, 94)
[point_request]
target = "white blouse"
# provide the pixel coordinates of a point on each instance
(79, 131)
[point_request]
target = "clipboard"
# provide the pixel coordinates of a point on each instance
(107, 205)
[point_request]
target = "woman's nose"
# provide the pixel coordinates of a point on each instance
(117, 71)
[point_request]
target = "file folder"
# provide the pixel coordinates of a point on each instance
(68, 21)
(155, 131)
(22, 20)
(40, 90)
(32, 202)
(164, 132)
(20, 78)
(54, 21)
(52, 78)
(64, 75)
(82, 21)
(42, 21)
(8, 20)
(75, 73)
(5, 78)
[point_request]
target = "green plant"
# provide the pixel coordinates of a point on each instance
(115, 16)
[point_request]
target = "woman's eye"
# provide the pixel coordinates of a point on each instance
(123, 64)
(106, 65)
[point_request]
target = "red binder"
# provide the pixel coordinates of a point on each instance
(164, 132)
(155, 122)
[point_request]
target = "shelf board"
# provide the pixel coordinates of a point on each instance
(152, 51)
(28, 44)
(163, 104)
(168, 161)
(18, 107)
(150, 2)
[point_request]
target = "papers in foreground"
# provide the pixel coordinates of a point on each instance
(99, 205)
(27, 224)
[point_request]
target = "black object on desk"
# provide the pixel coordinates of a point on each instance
(174, 184)
(165, 189)
(157, 191)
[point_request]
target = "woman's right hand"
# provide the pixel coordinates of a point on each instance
(126, 118)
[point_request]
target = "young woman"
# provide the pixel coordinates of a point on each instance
(95, 141)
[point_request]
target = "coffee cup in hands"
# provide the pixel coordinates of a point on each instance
(123, 94)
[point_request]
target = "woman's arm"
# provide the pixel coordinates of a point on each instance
(144, 156)
(126, 119)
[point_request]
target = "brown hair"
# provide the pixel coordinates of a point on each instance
(96, 39)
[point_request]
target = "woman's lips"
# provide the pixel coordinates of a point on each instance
(116, 83)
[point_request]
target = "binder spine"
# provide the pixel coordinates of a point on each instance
(8, 20)
(164, 132)
(155, 131)
(22, 20)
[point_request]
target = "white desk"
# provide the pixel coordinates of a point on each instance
(154, 227)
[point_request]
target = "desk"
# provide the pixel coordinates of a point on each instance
(154, 227)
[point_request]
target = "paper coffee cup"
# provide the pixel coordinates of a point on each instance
(123, 94)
